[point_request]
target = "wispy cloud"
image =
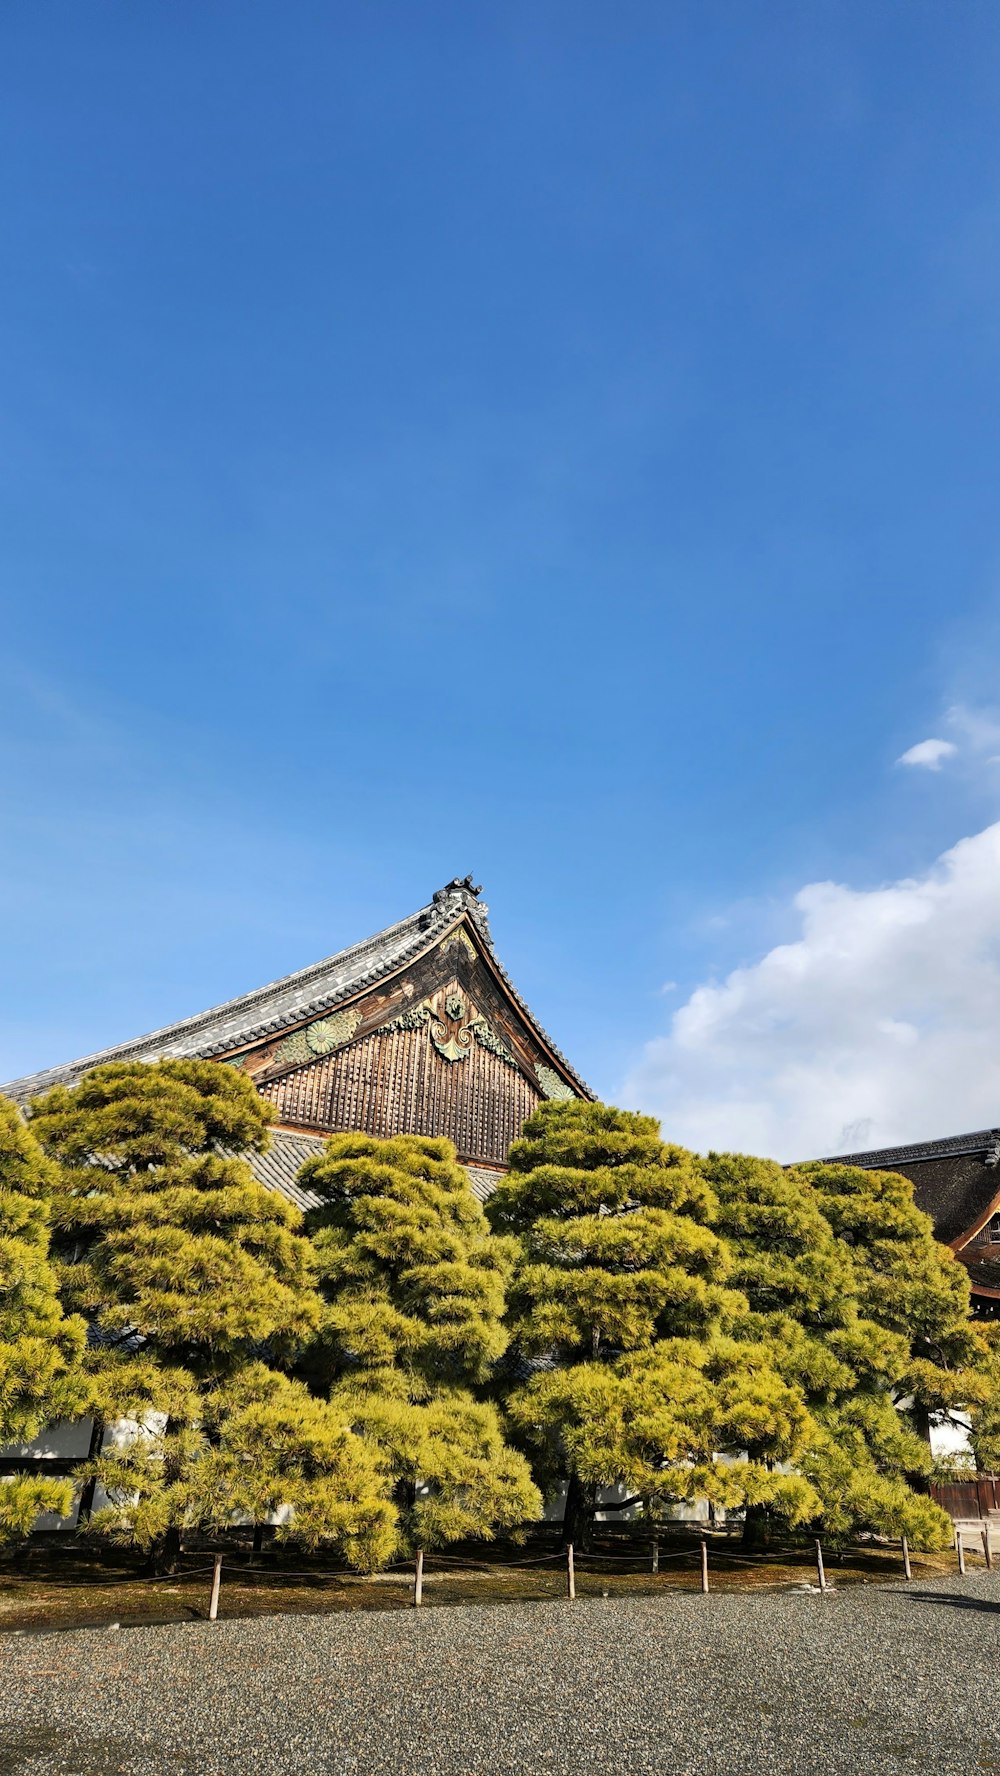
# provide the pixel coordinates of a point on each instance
(877, 1024)
(974, 742)
(977, 728)
(929, 754)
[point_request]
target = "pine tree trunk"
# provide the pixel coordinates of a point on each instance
(757, 1528)
(164, 1554)
(94, 1448)
(578, 1515)
(921, 1420)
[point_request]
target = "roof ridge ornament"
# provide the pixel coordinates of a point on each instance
(458, 885)
(461, 896)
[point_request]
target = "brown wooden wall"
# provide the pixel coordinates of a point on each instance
(397, 1083)
(968, 1498)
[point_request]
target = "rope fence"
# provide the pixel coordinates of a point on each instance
(110, 1580)
(579, 1562)
(568, 1562)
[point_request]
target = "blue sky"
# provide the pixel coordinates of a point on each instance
(552, 441)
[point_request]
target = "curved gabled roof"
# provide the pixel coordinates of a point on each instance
(297, 998)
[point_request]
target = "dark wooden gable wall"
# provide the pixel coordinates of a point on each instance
(398, 1083)
(440, 1049)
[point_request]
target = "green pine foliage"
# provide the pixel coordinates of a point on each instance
(817, 1303)
(201, 1287)
(40, 1348)
(985, 1411)
(161, 1232)
(254, 1446)
(623, 1296)
(910, 1285)
(414, 1287)
(914, 1294)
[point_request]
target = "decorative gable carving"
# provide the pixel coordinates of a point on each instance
(453, 1024)
(320, 1037)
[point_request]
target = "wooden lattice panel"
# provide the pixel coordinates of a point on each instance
(395, 1083)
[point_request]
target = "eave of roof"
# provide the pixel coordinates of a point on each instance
(279, 1168)
(308, 993)
(984, 1276)
(950, 1147)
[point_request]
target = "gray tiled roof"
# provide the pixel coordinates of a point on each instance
(884, 1158)
(483, 1181)
(278, 1168)
(297, 997)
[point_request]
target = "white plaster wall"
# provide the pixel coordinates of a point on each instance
(64, 1440)
(952, 1439)
(696, 1513)
(70, 1442)
(67, 1440)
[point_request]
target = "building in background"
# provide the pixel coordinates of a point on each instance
(419, 1030)
(957, 1182)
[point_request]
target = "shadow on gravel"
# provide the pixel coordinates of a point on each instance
(950, 1601)
(88, 1756)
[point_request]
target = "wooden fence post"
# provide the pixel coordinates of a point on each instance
(961, 1551)
(820, 1572)
(570, 1571)
(213, 1608)
(418, 1579)
(704, 1565)
(655, 1564)
(907, 1574)
(987, 1550)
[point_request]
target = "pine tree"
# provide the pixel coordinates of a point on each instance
(811, 1303)
(414, 1285)
(253, 1446)
(985, 1411)
(200, 1285)
(912, 1287)
(40, 1349)
(913, 1295)
(622, 1297)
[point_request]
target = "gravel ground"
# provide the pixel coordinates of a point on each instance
(877, 1678)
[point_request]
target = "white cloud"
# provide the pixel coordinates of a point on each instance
(978, 729)
(928, 753)
(879, 1024)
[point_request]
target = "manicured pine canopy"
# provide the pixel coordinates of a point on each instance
(414, 1286)
(622, 1294)
(40, 1348)
(200, 1286)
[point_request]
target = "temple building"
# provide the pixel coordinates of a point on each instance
(957, 1182)
(418, 1030)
